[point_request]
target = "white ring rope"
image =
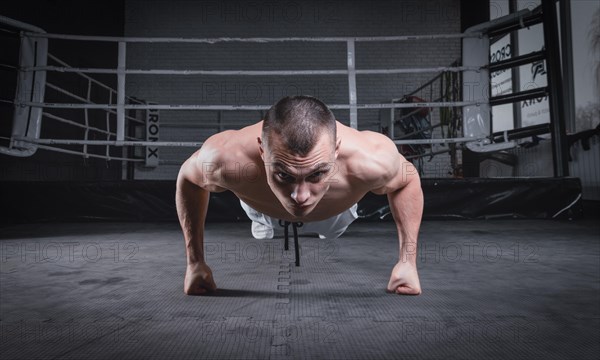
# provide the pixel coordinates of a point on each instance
(91, 79)
(252, 72)
(124, 102)
(250, 40)
(21, 25)
(76, 97)
(242, 107)
(438, 141)
(128, 103)
(567, 207)
(86, 127)
(109, 142)
(86, 154)
(198, 144)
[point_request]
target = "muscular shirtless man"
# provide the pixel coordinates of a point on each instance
(299, 165)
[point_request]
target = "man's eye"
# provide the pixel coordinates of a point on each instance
(316, 176)
(283, 176)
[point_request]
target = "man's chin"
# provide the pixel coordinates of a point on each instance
(300, 211)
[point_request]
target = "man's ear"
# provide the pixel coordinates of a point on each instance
(337, 146)
(261, 150)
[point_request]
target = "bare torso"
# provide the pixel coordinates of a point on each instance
(364, 161)
(231, 161)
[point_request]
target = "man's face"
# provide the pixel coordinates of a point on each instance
(299, 182)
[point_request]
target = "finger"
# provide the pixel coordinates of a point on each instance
(406, 290)
(206, 288)
(210, 285)
(393, 284)
(194, 291)
(200, 290)
(203, 289)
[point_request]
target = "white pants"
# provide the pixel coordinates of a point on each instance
(330, 228)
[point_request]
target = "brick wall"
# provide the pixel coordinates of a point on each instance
(208, 19)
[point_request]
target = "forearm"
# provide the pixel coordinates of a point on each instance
(406, 205)
(192, 205)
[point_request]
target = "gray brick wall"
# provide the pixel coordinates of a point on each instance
(207, 19)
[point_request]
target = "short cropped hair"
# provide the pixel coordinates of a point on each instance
(299, 120)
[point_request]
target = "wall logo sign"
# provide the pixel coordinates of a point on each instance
(538, 68)
(152, 133)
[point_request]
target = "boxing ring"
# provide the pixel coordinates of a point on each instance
(73, 289)
(36, 63)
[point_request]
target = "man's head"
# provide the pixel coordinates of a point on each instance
(299, 146)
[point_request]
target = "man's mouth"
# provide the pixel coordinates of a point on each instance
(301, 206)
(299, 210)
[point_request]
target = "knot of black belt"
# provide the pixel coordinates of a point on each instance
(295, 226)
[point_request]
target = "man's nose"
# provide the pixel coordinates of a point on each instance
(301, 193)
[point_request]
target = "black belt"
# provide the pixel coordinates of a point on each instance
(295, 226)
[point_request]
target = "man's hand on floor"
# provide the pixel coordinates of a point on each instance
(404, 279)
(198, 279)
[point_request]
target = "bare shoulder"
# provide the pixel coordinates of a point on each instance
(216, 148)
(224, 150)
(381, 146)
(376, 161)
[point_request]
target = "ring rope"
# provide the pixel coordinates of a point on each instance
(198, 144)
(72, 152)
(252, 40)
(76, 124)
(252, 72)
(76, 97)
(84, 154)
(242, 107)
(109, 142)
(439, 141)
(128, 103)
(91, 79)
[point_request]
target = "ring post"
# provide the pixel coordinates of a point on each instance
(121, 92)
(27, 120)
(352, 84)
